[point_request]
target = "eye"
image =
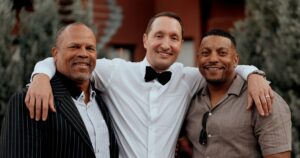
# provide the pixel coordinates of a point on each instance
(74, 46)
(91, 49)
(158, 35)
(204, 53)
(174, 38)
(222, 53)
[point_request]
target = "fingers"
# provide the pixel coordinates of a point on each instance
(39, 97)
(268, 98)
(271, 94)
(38, 108)
(51, 104)
(261, 93)
(27, 98)
(30, 105)
(258, 105)
(44, 108)
(269, 103)
(250, 102)
(263, 101)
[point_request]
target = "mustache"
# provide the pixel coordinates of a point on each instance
(213, 65)
(82, 61)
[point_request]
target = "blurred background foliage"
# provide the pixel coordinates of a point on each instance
(269, 38)
(30, 39)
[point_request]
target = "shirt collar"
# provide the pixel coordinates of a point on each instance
(81, 97)
(235, 88)
(72, 87)
(146, 63)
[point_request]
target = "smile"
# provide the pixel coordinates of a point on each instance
(164, 53)
(213, 68)
(81, 64)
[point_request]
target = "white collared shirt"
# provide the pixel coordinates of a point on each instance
(147, 115)
(94, 123)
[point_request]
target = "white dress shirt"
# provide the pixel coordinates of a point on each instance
(147, 115)
(94, 123)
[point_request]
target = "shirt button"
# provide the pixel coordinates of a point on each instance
(209, 135)
(207, 157)
(210, 114)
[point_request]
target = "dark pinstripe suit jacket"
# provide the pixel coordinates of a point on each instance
(63, 135)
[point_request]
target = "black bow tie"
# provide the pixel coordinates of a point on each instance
(162, 78)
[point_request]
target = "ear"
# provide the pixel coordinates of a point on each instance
(236, 58)
(145, 38)
(54, 52)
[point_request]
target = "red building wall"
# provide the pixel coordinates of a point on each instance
(196, 20)
(223, 14)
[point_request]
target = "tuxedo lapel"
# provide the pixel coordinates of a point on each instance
(66, 106)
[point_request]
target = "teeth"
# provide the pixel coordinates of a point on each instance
(213, 68)
(81, 64)
(164, 53)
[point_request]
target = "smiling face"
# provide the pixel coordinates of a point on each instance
(163, 42)
(75, 53)
(217, 59)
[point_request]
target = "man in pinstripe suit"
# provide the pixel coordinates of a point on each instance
(81, 126)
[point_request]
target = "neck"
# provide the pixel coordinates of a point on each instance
(85, 87)
(218, 90)
(156, 68)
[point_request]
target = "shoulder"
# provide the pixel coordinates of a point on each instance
(280, 114)
(189, 71)
(107, 66)
(190, 76)
(276, 125)
(105, 61)
(19, 95)
(16, 103)
(280, 105)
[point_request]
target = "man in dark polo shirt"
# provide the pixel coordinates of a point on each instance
(218, 125)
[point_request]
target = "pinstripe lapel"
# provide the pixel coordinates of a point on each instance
(114, 148)
(66, 106)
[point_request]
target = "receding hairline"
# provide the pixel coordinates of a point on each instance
(171, 15)
(64, 28)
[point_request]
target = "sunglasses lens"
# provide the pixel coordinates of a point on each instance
(203, 137)
(203, 134)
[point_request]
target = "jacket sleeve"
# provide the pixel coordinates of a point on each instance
(21, 137)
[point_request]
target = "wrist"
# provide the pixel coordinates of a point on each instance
(40, 76)
(257, 72)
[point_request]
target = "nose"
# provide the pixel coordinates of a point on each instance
(165, 45)
(214, 57)
(83, 53)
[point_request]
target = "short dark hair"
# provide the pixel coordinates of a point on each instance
(220, 32)
(167, 14)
